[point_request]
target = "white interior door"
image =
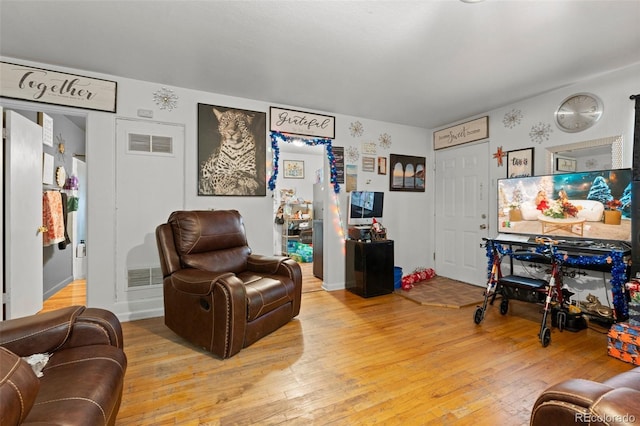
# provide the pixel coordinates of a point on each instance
(462, 210)
(22, 216)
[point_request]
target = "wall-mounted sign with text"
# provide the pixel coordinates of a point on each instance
(470, 131)
(302, 123)
(52, 87)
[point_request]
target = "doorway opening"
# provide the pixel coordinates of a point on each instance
(298, 209)
(64, 263)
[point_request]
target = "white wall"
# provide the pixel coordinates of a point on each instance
(614, 90)
(408, 216)
(102, 278)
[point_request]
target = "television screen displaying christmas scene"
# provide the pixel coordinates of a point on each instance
(590, 205)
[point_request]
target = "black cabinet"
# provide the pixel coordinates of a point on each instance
(369, 267)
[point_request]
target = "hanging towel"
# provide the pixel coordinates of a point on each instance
(52, 218)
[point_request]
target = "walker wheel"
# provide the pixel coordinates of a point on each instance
(562, 320)
(545, 337)
(504, 306)
(477, 316)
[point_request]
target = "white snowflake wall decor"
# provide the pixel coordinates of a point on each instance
(165, 99)
(512, 118)
(385, 141)
(352, 154)
(540, 132)
(356, 129)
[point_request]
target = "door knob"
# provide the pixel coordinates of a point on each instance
(42, 229)
(483, 226)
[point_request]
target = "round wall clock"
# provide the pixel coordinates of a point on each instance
(579, 112)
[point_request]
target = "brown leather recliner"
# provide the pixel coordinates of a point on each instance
(584, 402)
(82, 382)
(217, 294)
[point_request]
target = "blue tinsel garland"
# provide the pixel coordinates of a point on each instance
(613, 258)
(280, 137)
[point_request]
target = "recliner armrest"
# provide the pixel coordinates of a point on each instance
(199, 282)
(579, 392)
(619, 407)
(276, 265)
(579, 401)
(265, 264)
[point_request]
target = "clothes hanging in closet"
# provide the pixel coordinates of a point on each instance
(52, 218)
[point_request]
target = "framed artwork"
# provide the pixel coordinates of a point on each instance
(566, 165)
(231, 151)
(338, 155)
(407, 173)
(368, 164)
(293, 169)
(382, 165)
(47, 128)
(520, 163)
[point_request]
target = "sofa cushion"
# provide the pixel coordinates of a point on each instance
(81, 385)
(18, 388)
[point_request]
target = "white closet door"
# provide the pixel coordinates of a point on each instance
(23, 216)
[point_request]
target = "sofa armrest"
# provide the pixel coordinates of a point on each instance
(41, 333)
(48, 332)
(95, 326)
(19, 388)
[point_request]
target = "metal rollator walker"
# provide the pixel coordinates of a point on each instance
(534, 290)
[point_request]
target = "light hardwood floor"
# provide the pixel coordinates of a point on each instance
(347, 360)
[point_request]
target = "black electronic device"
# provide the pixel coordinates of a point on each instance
(364, 207)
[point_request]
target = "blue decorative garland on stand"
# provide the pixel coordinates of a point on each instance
(613, 258)
(277, 137)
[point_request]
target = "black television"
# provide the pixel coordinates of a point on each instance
(364, 206)
(599, 205)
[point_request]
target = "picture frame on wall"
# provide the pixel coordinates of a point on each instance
(228, 164)
(293, 169)
(382, 165)
(368, 164)
(520, 163)
(407, 173)
(566, 165)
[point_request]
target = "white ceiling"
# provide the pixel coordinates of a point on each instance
(423, 63)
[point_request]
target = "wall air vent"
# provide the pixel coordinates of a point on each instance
(144, 277)
(150, 144)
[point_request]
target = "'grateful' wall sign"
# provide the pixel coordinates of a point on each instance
(52, 87)
(470, 131)
(302, 123)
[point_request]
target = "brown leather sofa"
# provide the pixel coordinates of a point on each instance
(583, 402)
(218, 295)
(82, 382)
